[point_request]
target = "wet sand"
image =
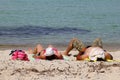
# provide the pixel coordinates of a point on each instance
(106, 46)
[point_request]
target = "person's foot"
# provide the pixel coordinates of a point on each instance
(97, 43)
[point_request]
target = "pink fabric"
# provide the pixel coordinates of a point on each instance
(20, 55)
(56, 51)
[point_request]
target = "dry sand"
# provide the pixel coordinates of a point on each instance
(58, 69)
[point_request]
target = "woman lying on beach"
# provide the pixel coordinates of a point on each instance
(49, 53)
(94, 52)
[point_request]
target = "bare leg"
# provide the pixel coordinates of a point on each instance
(75, 43)
(97, 43)
(82, 57)
(69, 48)
(38, 49)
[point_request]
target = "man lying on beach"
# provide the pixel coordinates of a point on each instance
(94, 52)
(49, 53)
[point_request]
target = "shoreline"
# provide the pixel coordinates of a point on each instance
(107, 46)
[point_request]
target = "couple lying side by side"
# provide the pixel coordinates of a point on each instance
(95, 52)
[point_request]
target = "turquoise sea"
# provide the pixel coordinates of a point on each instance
(57, 21)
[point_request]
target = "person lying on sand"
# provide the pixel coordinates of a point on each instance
(49, 53)
(94, 52)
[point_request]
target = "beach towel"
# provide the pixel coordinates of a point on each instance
(19, 55)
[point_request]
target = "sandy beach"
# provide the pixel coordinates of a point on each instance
(26, 23)
(58, 69)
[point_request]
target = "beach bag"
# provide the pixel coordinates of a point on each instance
(97, 54)
(19, 55)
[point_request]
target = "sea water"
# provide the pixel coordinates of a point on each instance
(58, 21)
